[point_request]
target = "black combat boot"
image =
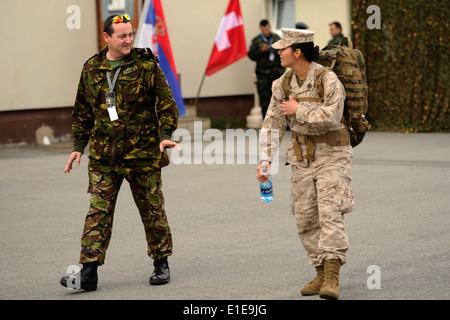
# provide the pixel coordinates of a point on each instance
(161, 273)
(86, 279)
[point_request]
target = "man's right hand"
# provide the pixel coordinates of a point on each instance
(265, 47)
(75, 155)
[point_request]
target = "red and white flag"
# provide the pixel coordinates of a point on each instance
(229, 44)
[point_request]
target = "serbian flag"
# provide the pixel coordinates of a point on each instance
(152, 33)
(229, 44)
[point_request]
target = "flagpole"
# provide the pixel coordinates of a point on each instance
(198, 92)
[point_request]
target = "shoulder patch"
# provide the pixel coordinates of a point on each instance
(145, 52)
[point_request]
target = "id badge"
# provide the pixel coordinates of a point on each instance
(272, 56)
(111, 105)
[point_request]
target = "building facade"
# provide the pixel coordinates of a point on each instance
(45, 44)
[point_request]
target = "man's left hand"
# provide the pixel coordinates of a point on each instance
(167, 144)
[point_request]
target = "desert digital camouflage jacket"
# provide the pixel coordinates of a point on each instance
(146, 109)
(311, 118)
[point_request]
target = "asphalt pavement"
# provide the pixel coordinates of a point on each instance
(228, 245)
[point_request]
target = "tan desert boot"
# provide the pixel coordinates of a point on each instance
(330, 288)
(314, 286)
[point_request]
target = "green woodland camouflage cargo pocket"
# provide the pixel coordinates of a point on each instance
(98, 145)
(131, 86)
(142, 142)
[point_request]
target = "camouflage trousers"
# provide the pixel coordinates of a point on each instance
(321, 194)
(146, 190)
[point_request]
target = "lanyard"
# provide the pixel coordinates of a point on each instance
(270, 41)
(113, 83)
(265, 38)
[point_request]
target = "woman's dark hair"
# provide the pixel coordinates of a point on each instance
(310, 52)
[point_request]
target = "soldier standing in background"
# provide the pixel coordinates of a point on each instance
(268, 67)
(320, 155)
(126, 107)
(336, 33)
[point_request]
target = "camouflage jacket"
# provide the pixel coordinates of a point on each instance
(311, 118)
(336, 39)
(265, 67)
(145, 106)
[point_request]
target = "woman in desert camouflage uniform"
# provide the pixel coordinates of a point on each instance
(319, 153)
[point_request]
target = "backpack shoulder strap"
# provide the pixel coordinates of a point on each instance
(349, 42)
(287, 83)
(319, 74)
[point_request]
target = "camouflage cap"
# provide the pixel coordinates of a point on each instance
(291, 36)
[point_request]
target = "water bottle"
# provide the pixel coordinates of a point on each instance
(266, 187)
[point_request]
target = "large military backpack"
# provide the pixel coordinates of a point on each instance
(349, 66)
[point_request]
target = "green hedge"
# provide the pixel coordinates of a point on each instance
(407, 64)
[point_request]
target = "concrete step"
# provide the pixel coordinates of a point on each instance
(187, 120)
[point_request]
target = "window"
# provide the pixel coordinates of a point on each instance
(283, 13)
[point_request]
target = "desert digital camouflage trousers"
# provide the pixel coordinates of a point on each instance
(146, 190)
(321, 194)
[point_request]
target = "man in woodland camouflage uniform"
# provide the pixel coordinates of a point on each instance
(129, 132)
(268, 67)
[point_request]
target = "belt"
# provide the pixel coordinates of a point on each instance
(339, 137)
